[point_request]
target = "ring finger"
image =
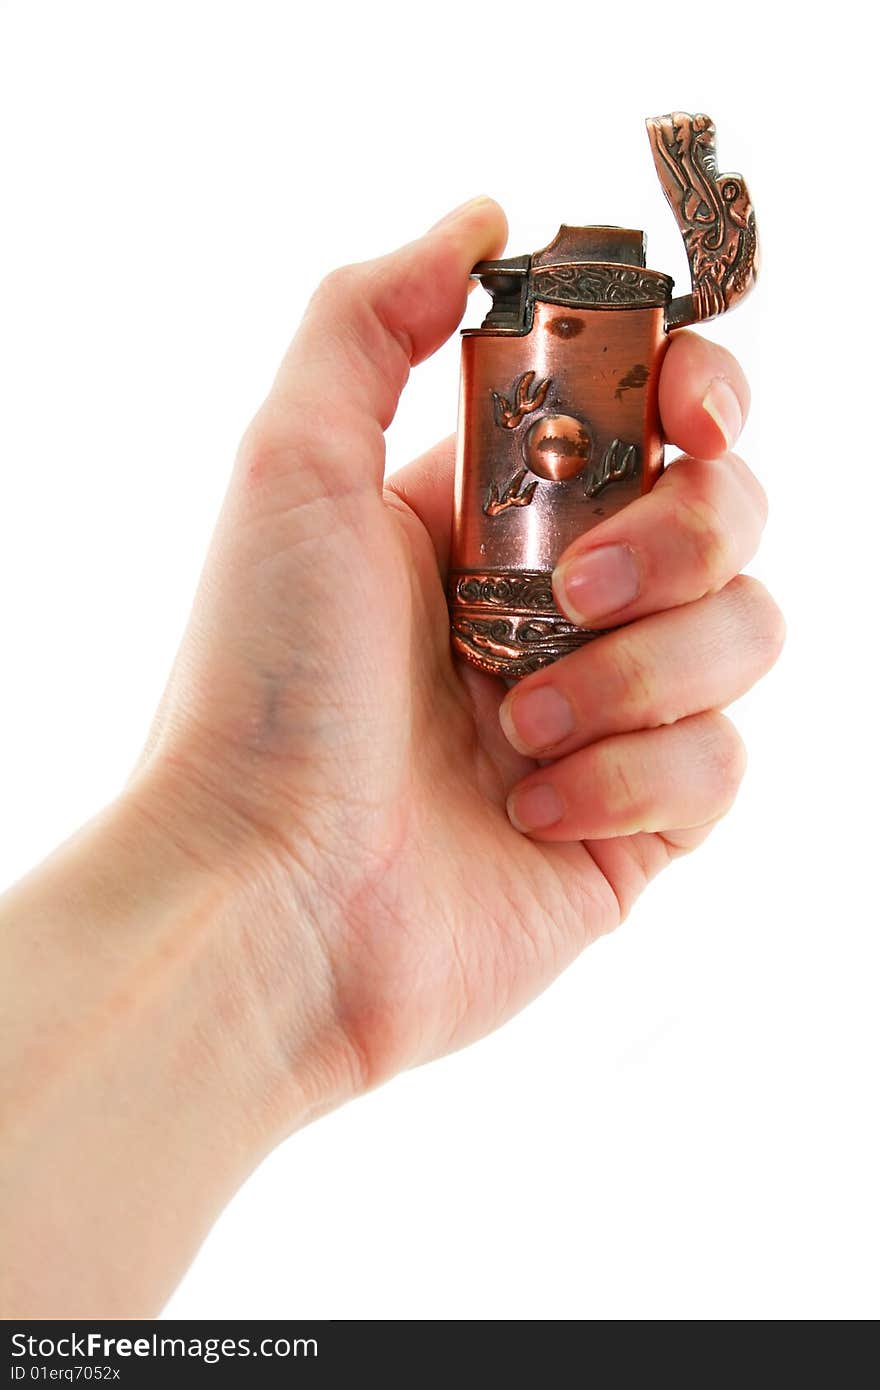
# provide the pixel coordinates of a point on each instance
(684, 775)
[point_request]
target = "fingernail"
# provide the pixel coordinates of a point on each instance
(592, 586)
(721, 404)
(534, 808)
(461, 211)
(534, 720)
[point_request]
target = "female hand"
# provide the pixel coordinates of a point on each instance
(413, 869)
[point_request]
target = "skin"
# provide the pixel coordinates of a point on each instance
(311, 881)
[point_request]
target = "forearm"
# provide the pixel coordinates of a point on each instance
(136, 1088)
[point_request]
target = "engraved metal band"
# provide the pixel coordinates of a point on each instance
(506, 621)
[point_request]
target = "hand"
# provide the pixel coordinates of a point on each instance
(315, 877)
(317, 743)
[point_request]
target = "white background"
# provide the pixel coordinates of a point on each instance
(685, 1124)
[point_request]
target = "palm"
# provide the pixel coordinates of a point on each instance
(345, 734)
(459, 918)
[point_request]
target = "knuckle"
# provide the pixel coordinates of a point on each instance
(707, 537)
(338, 285)
(634, 686)
(619, 788)
(753, 489)
(726, 755)
(762, 615)
(260, 453)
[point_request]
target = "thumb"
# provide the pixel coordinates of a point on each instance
(365, 326)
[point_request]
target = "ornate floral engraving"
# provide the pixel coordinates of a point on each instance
(592, 284)
(514, 646)
(528, 589)
(507, 623)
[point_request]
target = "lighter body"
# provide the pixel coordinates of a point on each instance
(559, 422)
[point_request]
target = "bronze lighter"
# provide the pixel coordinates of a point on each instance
(559, 424)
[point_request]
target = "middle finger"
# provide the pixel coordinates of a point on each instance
(698, 527)
(671, 665)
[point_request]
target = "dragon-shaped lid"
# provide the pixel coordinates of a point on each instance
(604, 267)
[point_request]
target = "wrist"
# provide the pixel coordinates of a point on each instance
(261, 976)
(141, 1020)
